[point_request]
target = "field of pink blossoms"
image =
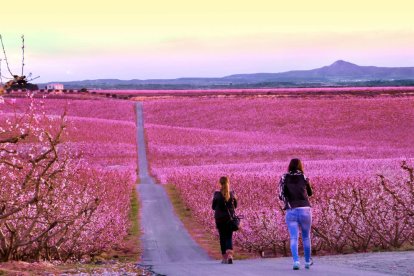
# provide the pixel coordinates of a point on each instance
(262, 90)
(345, 143)
(66, 180)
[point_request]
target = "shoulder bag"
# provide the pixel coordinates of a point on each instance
(234, 221)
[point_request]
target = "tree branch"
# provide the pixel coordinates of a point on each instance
(22, 55)
(14, 140)
(5, 56)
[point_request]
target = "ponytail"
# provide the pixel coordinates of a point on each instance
(225, 187)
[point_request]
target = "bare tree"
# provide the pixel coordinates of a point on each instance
(16, 81)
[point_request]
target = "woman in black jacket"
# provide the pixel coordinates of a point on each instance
(224, 203)
(295, 190)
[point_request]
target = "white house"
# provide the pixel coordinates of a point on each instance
(54, 86)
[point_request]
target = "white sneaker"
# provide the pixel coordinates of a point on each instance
(308, 264)
(296, 265)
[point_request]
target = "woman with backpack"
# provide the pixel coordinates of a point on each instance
(294, 190)
(224, 204)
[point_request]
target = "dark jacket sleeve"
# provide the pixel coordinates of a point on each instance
(281, 192)
(308, 187)
(214, 204)
(285, 191)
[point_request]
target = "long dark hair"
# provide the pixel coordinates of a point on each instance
(295, 165)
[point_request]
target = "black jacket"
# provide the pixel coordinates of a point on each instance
(219, 206)
(295, 190)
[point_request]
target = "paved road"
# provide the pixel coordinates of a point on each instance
(165, 240)
(259, 267)
(168, 249)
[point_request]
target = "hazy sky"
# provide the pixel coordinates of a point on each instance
(125, 39)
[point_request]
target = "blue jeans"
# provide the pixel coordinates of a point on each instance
(299, 217)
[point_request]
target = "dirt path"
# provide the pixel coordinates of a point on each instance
(168, 249)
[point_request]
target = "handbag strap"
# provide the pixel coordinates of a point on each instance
(228, 211)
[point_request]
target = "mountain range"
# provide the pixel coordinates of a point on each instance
(340, 73)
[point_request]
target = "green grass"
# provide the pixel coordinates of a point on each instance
(133, 215)
(132, 250)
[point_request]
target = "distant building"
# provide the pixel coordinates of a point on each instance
(54, 86)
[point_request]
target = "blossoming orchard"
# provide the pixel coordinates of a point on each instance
(60, 195)
(68, 168)
(357, 153)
